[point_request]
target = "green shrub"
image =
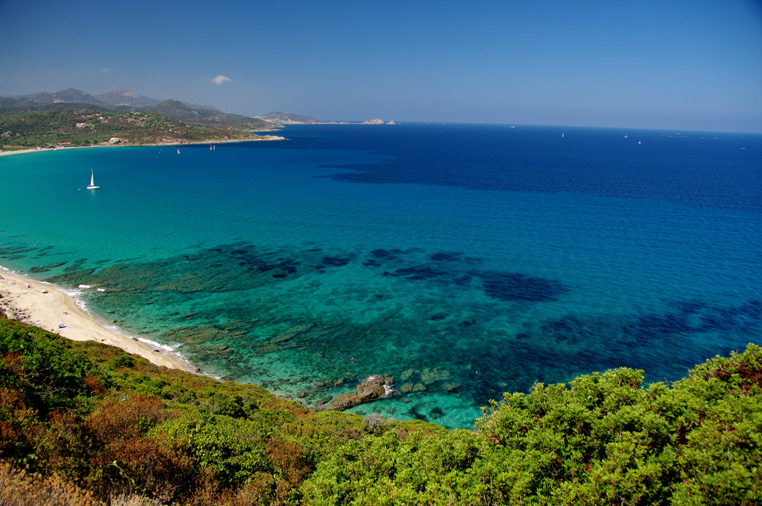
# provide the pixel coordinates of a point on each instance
(167, 436)
(233, 449)
(45, 368)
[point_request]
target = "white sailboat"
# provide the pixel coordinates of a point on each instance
(92, 185)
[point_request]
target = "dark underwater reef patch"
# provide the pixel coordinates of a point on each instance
(244, 266)
(218, 269)
(658, 341)
(457, 269)
(335, 261)
(15, 252)
(664, 345)
(76, 265)
(514, 286)
(46, 268)
(44, 251)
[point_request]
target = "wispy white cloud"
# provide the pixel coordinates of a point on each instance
(220, 79)
(105, 69)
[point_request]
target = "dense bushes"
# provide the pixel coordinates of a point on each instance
(105, 427)
(604, 439)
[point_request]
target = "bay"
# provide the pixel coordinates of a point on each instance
(464, 260)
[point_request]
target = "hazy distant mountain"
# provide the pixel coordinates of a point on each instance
(200, 106)
(205, 116)
(287, 118)
(116, 97)
(120, 96)
(172, 108)
(44, 99)
(67, 95)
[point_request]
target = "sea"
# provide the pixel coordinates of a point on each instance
(463, 260)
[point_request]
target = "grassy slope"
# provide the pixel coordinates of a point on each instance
(112, 424)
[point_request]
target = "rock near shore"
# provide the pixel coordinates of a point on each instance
(372, 388)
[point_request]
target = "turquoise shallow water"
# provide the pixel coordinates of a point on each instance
(463, 260)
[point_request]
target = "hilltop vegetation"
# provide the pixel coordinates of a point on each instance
(73, 117)
(95, 425)
(87, 126)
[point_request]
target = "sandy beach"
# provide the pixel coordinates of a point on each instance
(256, 138)
(44, 306)
(19, 151)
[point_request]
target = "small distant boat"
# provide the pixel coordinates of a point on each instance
(92, 185)
(625, 135)
(178, 151)
(639, 142)
(563, 135)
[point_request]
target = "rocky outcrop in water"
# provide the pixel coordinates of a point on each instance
(372, 388)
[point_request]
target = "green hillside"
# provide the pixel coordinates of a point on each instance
(180, 111)
(82, 423)
(74, 118)
(88, 124)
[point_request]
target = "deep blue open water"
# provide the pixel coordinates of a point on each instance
(464, 260)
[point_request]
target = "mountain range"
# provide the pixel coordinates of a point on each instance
(117, 97)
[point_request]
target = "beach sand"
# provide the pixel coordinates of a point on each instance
(19, 151)
(255, 138)
(44, 306)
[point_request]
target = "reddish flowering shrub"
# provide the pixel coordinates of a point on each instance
(17, 420)
(144, 465)
(125, 416)
(95, 385)
(263, 489)
(288, 457)
(63, 445)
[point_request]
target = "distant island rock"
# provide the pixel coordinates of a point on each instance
(378, 122)
(287, 118)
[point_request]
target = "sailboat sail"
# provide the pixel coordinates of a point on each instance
(92, 185)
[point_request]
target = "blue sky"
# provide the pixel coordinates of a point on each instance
(672, 64)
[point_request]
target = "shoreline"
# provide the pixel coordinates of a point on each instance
(49, 307)
(260, 138)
